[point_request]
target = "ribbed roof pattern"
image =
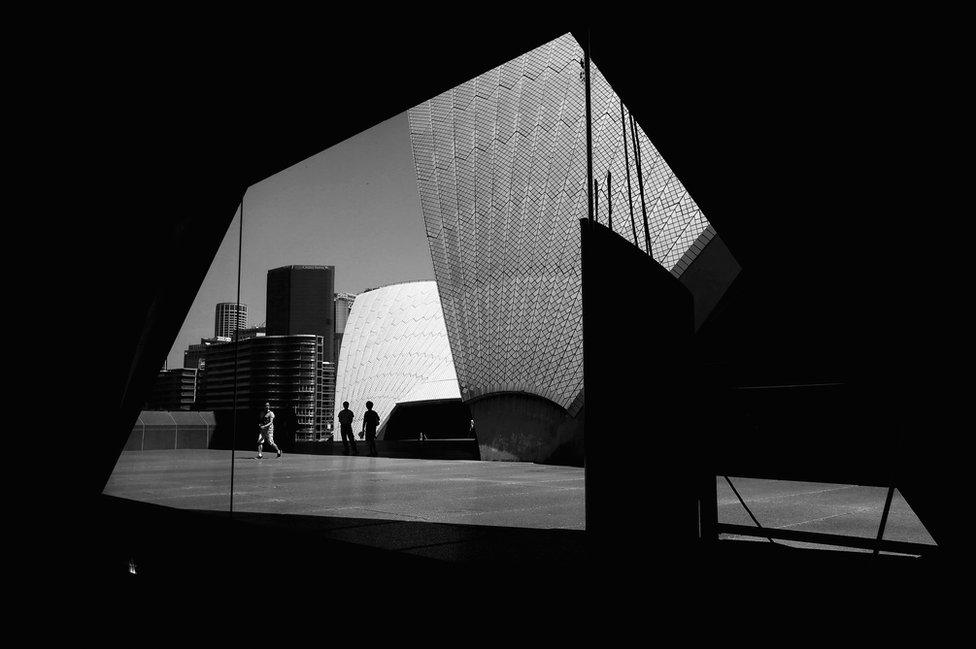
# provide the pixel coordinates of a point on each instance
(395, 341)
(501, 172)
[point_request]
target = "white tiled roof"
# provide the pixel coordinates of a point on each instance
(395, 342)
(501, 172)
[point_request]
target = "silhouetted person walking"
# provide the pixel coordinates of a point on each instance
(266, 430)
(371, 421)
(345, 428)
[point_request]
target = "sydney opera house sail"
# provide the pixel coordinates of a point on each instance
(501, 169)
(395, 349)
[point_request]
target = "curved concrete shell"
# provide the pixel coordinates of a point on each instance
(501, 172)
(395, 343)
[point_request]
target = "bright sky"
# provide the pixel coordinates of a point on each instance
(353, 206)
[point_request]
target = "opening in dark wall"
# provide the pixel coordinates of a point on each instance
(435, 419)
(517, 426)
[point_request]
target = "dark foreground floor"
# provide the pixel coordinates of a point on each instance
(155, 562)
(293, 547)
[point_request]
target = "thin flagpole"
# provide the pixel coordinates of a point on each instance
(630, 197)
(640, 181)
(237, 338)
(596, 199)
(589, 133)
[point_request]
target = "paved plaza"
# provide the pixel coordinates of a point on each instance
(818, 507)
(510, 494)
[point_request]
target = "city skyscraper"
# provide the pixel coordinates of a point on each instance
(228, 318)
(300, 300)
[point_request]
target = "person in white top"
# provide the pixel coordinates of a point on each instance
(266, 430)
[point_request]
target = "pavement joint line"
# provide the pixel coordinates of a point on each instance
(434, 545)
(385, 513)
(787, 496)
(363, 522)
(859, 510)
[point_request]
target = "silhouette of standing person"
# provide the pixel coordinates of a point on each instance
(266, 430)
(371, 421)
(345, 428)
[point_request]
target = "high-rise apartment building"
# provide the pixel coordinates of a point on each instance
(194, 354)
(327, 387)
(251, 332)
(292, 373)
(174, 389)
(228, 318)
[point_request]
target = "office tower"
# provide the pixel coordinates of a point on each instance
(300, 301)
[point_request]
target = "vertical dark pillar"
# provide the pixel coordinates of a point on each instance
(708, 501)
(643, 475)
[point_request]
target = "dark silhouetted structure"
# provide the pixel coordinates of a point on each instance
(300, 301)
(802, 156)
(174, 389)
